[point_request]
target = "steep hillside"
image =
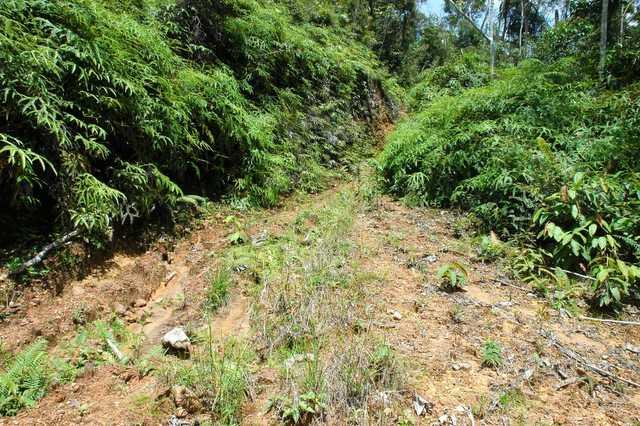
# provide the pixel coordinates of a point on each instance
(541, 153)
(117, 111)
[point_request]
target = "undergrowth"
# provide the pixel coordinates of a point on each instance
(218, 374)
(310, 324)
(116, 111)
(540, 154)
(27, 377)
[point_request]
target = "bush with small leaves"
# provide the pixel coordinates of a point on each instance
(452, 276)
(491, 354)
(298, 410)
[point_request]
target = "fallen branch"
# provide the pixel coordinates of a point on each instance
(116, 351)
(41, 254)
(580, 360)
(568, 382)
(459, 11)
(610, 320)
(586, 277)
(510, 285)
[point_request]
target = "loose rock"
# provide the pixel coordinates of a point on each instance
(629, 347)
(460, 366)
(291, 361)
(119, 309)
(396, 315)
(185, 398)
(177, 339)
(140, 303)
(421, 405)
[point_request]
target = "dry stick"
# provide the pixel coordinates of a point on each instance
(116, 351)
(510, 285)
(41, 255)
(586, 277)
(611, 321)
(578, 358)
(170, 277)
(459, 11)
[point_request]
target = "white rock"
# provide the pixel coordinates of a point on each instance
(177, 339)
(421, 405)
(631, 348)
(528, 373)
(460, 366)
(291, 361)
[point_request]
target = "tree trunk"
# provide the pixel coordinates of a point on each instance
(466, 17)
(521, 26)
(492, 41)
(505, 5)
(484, 20)
(604, 18)
(623, 11)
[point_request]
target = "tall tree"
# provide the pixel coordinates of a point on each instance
(604, 21)
(521, 26)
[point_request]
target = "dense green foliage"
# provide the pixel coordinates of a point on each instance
(26, 379)
(578, 37)
(451, 78)
(115, 110)
(539, 150)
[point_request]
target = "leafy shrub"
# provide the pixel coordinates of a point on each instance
(239, 234)
(459, 72)
(452, 276)
(579, 37)
(593, 224)
(107, 89)
(26, 378)
(112, 113)
(623, 60)
(482, 150)
(490, 247)
(299, 410)
(574, 37)
(491, 354)
(541, 150)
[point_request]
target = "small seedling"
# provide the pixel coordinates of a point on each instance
(456, 314)
(491, 354)
(481, 407)
(218, 289)
(300, 410)
(490, 248)
(512, 398)
(452, 276)
(239, 234)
